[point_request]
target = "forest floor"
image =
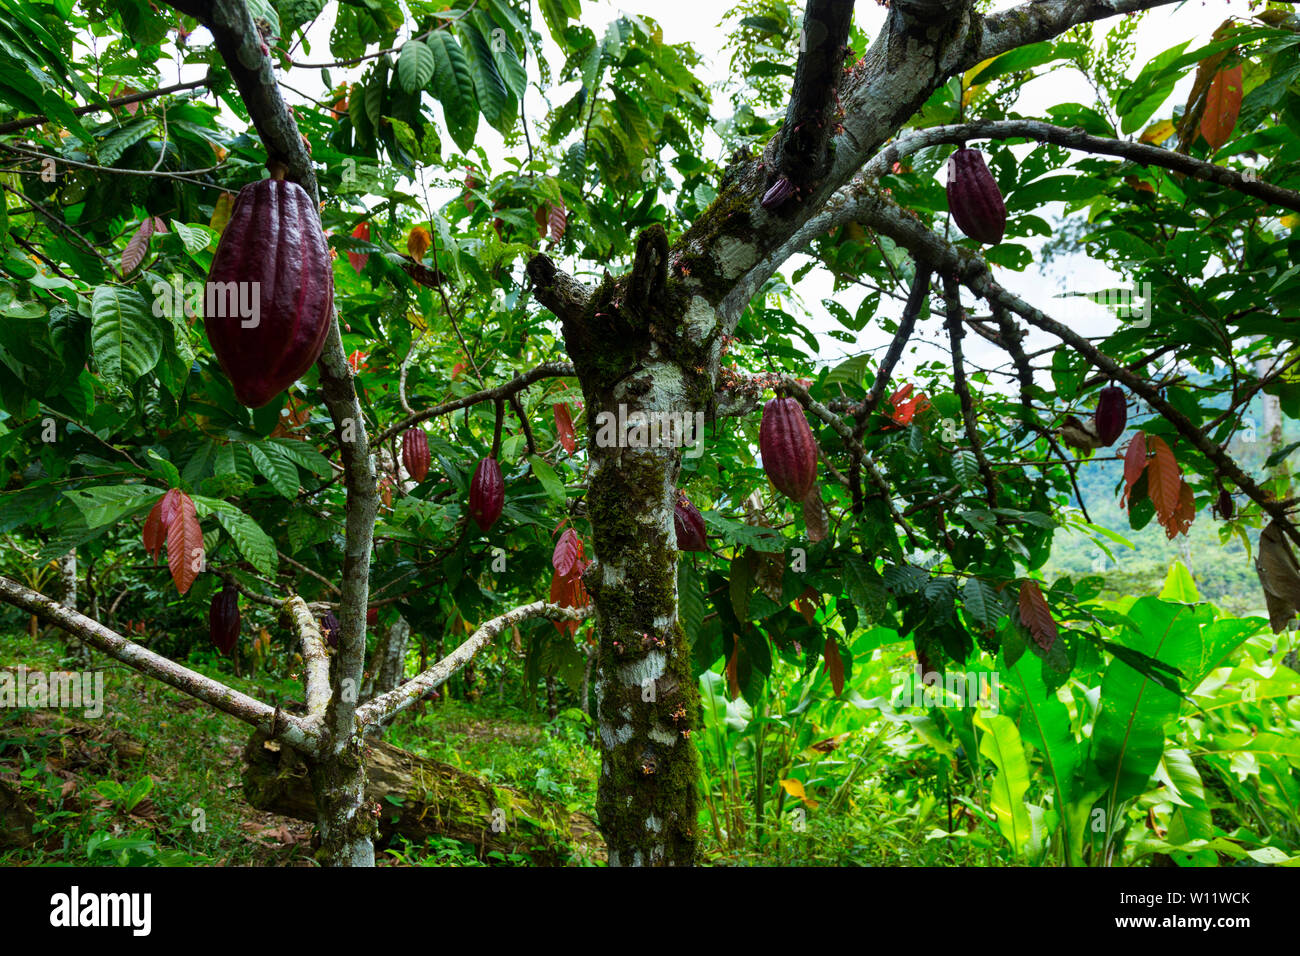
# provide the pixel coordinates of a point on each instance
(120, 789)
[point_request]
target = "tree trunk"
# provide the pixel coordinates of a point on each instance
(68, 580)
(434, 799)
(646, 703)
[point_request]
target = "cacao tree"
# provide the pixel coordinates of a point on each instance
(579, 362)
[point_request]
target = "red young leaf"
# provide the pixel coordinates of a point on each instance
(1185, 513)
(733, 679)
(138, 247)
(359, 259)
(1135, 460)
(1222, 106)
(564, 426)
(1035, 615)
(184, 542)
(834, 665)
(567, 554)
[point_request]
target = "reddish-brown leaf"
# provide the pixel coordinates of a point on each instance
(138, 247)
(1135, 460)
(807, 603)
(834, 664)
(1222, 106)
(1164, 482)
(1037, 616)
(1186, 512)
(733, 679)
(558, 220)
(564, 426)
(155, 535)
(184, 542)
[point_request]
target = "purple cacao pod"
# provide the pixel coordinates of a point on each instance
(1111, 415)
(415, 453)
(788, 448)
(974, 199)
(487, 494)
(1224, 505)
(223, 619)
(270, 291)
(689, 523)
(778, 193)
(331, 629)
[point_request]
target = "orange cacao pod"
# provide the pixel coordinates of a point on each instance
(788, 449)
(487, 494)
(973, 197)
(270, 291)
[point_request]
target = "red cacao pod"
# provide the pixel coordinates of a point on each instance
(487, 494)
(331, 629)
(788, 449)
(372, 616)
(223, 619)
(415, 453)
(974, 199)
(1111, 415)
(273, 239)
(689, 523)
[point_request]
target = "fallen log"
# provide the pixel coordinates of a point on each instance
(418, 798)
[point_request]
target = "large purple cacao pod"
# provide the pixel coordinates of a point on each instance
(415, 453)
(689, 523)
(266, 336)
(973, 197)
(788, 449)
(487, 493)
(1111, 415)
(223, 619)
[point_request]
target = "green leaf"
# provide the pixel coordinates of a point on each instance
(253, 543)
(107, 505)
(1001, 745)
(453, 84)
(415, 66)
(125, 338)
(194, 238)
(494, 98)
(546, 475)
(302, 454)
(981, 601)
(278, 468)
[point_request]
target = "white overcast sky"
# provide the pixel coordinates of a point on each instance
(704, 23)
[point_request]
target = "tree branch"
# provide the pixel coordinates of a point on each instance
(286, 727)
(1141, 153)
(382, 708)
(809, 116)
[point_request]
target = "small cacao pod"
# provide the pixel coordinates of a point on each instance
(223, 619)
(973, 197)
(689, 523)
(372, 616)
(487, 493)
(331, 629)
(780, 191)
(1111, 415)
(1224, 504)
(415, 453)
(789, 451)
(270, 291)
